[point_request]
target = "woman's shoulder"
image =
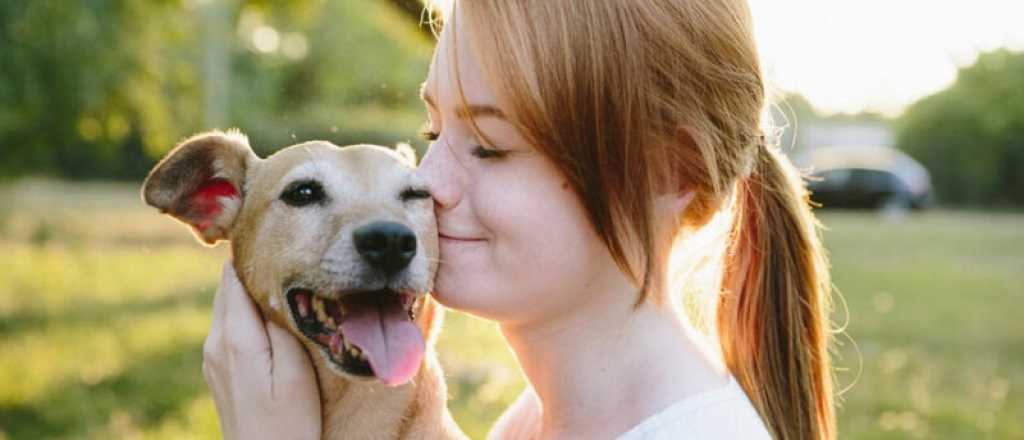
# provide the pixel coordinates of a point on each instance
(721, 413)
(521, 421)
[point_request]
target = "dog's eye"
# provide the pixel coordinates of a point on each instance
(303, 192)
(414, 194)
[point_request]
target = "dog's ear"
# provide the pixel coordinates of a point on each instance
(201, 182)
(406, 152)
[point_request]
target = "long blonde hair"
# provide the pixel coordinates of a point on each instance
(630, 98)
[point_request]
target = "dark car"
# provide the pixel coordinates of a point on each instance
(866, 177)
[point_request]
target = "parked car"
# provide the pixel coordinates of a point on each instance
(866, 177)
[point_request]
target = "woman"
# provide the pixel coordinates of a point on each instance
(574, 145)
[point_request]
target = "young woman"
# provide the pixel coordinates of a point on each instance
(575, 144)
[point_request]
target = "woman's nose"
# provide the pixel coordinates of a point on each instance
(440, 172)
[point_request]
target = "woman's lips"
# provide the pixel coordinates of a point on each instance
(458, 239)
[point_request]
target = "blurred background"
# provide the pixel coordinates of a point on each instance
(909, 115)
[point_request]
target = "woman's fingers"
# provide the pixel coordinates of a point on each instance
(261, 378)
(215, 362)
(213, 343)
(291, 363)
(226, 273)
(242, 324)
(293, 382)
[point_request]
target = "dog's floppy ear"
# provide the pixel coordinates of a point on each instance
(201, 181)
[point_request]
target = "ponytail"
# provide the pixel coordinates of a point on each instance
(773, 311)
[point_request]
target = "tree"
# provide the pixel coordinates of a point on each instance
(82, 84)
(102, 88)
(970, 136)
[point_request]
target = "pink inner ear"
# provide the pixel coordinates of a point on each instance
(206, 200)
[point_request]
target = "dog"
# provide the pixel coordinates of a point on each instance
(338, 245)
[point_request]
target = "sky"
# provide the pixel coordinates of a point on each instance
(878, 55)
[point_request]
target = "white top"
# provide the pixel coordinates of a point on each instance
(721, 413)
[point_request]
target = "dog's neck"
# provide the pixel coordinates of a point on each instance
(370, 410)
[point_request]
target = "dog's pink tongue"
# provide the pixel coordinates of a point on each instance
(391, 342)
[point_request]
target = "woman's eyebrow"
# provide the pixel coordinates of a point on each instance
(474, 110)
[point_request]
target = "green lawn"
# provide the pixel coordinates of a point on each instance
(104, 306)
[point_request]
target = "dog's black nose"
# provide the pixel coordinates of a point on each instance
(386, 246)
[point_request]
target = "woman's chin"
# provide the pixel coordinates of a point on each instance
(443, 298)
(464, 299)
(443, 292)
(455, 299)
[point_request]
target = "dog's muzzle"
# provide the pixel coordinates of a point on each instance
(368, 333)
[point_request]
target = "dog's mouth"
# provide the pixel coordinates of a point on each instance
(366, 333)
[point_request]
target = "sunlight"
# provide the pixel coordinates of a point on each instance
(877, 55)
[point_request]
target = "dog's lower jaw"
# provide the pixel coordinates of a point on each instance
(356, 409)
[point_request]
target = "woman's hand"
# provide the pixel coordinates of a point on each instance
(261, 378)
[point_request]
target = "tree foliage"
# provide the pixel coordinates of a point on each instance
(102, 88)
(971, 135)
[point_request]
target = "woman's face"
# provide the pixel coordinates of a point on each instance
(515, 241)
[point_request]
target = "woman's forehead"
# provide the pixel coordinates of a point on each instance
(455, 51)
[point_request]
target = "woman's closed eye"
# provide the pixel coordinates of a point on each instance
(429, 136)
(479, 151)
(482, 152)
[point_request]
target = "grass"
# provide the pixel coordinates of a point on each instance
(934, 310)
(104, 306)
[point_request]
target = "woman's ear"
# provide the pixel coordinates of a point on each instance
(682, 200)
(671, 207)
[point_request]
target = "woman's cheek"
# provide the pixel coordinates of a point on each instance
(536, 252)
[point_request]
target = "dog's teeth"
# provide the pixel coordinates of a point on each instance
(352, 349)
(362, 357)
(318, 307)
(415, 306)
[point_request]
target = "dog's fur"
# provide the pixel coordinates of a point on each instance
(215, 183)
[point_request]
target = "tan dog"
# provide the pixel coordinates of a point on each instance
(340, 246)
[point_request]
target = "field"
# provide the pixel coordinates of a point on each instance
(104, 306)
